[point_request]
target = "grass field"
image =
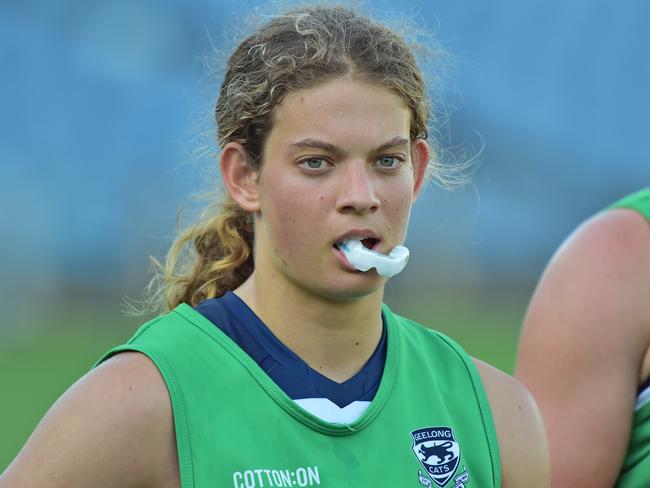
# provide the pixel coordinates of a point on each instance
(36, 369)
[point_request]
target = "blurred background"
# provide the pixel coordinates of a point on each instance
(106, 110)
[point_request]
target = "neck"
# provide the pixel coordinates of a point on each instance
(334, 337)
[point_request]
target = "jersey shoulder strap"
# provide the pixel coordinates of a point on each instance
(639, 201)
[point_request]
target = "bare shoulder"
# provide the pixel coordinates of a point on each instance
(615, 242)
(113, 427)
(608, 257)
(623, 225)
(585, 341)
(590, 306)
(520, 430)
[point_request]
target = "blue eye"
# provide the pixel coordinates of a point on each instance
(388, 162)
(313, 163)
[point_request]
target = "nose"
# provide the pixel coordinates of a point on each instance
(357, 189)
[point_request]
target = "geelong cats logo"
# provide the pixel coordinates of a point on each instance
(438, 453)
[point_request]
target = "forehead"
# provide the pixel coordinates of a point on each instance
(345, 110)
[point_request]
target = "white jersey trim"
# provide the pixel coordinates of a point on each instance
(642, 399)
(329, 411)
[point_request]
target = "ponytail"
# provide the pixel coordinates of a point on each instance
(208, 259)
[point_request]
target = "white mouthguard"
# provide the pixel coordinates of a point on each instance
(364, 259)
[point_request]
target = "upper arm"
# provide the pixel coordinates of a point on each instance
(583, 343)
(520, 430)
(111, 428)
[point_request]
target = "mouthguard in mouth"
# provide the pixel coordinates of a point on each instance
(364, 259)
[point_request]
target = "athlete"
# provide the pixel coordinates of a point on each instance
(276, 364)
(585, 350)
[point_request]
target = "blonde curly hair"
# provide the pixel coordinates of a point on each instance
(300, 48)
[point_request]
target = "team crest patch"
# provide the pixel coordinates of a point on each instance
(438, 453)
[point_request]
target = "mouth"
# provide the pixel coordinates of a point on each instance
(368, 238)
(368, 242)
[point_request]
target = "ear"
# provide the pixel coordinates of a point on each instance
(238, 177)
(420, 155)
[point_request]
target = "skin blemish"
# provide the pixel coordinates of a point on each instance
(356, 343)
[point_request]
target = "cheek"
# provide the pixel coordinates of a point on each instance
(291, 220)
(397, 200)
(397, 208)
(397, 217)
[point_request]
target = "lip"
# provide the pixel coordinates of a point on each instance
(343, 260)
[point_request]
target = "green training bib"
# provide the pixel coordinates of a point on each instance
(636, 468)
(429, 424)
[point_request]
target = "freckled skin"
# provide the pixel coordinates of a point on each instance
(302, 214)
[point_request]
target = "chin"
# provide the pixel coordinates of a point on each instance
(349, 290)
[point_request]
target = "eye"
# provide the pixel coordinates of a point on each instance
(389, 162)
(314, 164)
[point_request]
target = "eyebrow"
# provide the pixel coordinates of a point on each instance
(333, 148)
(316, 144)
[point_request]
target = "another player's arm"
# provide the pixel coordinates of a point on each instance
(520, 430)
(112, 428)
(583, 345)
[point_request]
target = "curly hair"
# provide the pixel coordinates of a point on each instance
(299, 49)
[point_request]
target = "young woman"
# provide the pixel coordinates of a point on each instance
(277, 364)
(585, 350)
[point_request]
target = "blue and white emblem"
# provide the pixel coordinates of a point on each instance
(438, 453)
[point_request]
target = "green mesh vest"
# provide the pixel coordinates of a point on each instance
(636, 468)
(429, 424)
